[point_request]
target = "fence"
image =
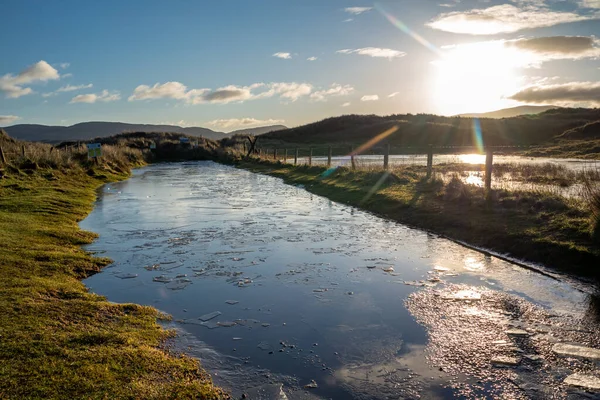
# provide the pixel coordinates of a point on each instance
(14, 151)
(380, 156)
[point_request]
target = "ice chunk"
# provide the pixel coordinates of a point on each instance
(126, 276)
(162, 279)
(226, 324)
(388, 269)
(504, 360)
(516, 332)
(272, 391)
(585, 381)
(209, 316)
(232, 302)
(571, 350)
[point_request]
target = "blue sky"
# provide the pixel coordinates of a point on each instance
(230, 64)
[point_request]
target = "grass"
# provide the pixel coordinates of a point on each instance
(533, 226)
(57, 340)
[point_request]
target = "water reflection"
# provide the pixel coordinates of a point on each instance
(299, 282)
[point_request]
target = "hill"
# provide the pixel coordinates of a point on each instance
(90, 130)
(509, 112)
(258, 131)
(423, 129)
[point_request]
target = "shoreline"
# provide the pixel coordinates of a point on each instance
(73, 342)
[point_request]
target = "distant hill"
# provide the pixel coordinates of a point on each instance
(90, 130)
(424, 129)
(258, 131)
(510, 112)
(588, 131)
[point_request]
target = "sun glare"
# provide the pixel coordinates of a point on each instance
(476, 78)
(472, 158)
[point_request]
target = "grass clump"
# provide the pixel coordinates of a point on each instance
(57, 340)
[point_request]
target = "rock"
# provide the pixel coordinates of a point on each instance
(534, 357)
(311, 385)
(585, 381)
(387, 269)
(463, 295)
(504, 360)
(441, 269)
(571, 350)
(516, 332)
(209, 316)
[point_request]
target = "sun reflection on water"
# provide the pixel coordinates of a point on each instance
(472, 158)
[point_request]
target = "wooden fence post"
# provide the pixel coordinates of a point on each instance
(23, 150)
(310, 156)
(429, 161)
(2, 158)
(329, 158)
(285, 156)
(275, 153)
(386, 157)
(296, 156)
(489, 162)
(352, 161)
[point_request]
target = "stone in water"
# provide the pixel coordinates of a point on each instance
(504, 360)
(516, 332)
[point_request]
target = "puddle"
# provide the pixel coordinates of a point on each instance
(283, 288)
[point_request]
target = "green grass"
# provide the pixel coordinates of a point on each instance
(536, 227)
(57, 340)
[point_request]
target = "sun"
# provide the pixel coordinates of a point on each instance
(476, 78)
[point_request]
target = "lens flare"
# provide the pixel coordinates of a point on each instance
(375, 187)
(477, 136)
(402, 26)
(372, 142)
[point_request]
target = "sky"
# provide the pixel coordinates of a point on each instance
(232, 64)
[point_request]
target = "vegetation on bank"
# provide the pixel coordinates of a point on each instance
(538, 227)
(57, 340)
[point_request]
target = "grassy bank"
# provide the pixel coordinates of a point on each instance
(536, 227)
(57, 340)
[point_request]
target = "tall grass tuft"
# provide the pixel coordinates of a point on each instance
(592, 196)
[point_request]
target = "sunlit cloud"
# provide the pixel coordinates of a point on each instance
(8, 119)
(244, 122)
(357, 10)
(64, 65)
(393, 94)
(505, 18)
(373, 97)
(374, 52)
(290, 91)
(334, 90)
(285, 56)
(558, 47)
(105, 96)
(565, 94)
(14, 85)
(346, 105)
(311, 59)
(589, 3)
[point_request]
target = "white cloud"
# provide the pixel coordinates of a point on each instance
(346, 105)
(8, 119)
(393, 94)
(13, 85)
(589, 3)
(564, 94)
(334, 90)
(67, 88)
(505, 18)
(285, 56)
(348, 20)
(558, 47)
(291, 91)
(311, 59)
(168, 90)
(64, 65)
(66, 75)
(372, 97)
(244, 122)
(374, 52)
(357, 10)
(104, 96)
